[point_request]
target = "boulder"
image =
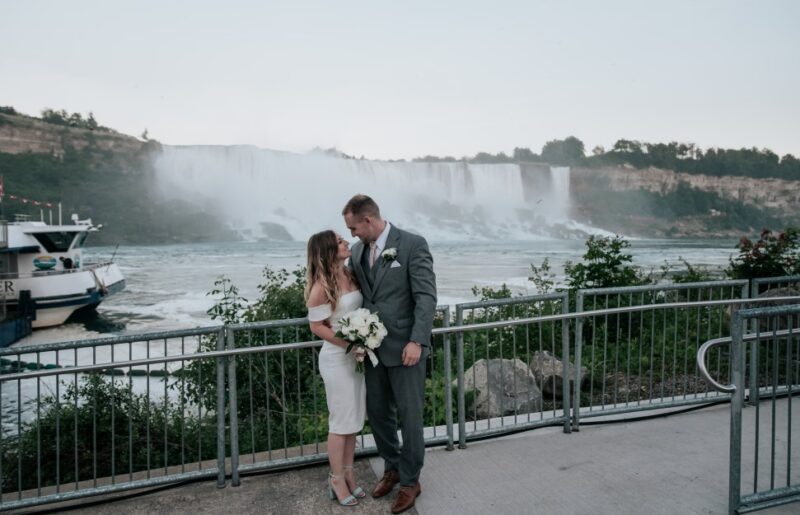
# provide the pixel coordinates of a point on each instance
(780, 322)
(776, 323)
(501, 387)
(549, 371)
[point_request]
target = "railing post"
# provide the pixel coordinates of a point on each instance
(749, 292)
(462, 420)
(234, 411)
(220, 411)
(737, 402)
(448, 382)
(566, 392)
(576, 405)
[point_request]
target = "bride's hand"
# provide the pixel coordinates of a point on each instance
(359, 353)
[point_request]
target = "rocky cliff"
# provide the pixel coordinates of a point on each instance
(20, 134)
(656, 203)
(769, 193)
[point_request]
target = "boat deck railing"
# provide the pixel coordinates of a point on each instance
(44, 273)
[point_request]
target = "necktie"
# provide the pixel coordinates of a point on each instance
(373, 254)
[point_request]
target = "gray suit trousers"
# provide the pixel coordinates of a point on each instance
(394, 392)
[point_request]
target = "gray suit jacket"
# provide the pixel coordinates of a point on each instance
(402, 292)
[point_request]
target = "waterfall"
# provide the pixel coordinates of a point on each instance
(280, 195)
(559, 180)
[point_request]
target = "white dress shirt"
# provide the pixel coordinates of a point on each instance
(380, 243)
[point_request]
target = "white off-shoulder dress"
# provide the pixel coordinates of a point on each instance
(344, 386)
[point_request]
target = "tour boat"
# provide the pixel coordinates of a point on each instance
(43, 275)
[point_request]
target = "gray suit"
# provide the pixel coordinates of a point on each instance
(404, 295)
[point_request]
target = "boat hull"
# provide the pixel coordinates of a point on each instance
(56, 296)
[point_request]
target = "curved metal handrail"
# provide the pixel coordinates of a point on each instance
(746, 338)
(701, 365)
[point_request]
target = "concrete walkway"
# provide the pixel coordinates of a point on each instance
(672, 465)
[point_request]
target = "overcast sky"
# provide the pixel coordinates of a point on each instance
(405, 79)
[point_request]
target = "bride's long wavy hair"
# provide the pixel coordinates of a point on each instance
(323, 249)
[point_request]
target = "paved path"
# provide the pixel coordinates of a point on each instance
(672, 465)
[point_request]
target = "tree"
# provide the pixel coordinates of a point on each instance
(569, 151)
(604, 265)
(524, 154)
(55, 117)
(75, 120)
(485, 157)
(771, 256)
(790, 167)
(91, 123)
(628, 146)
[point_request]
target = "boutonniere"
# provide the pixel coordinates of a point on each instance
(389, 255)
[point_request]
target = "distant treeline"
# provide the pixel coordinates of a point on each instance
(680, 157)
(62, 118)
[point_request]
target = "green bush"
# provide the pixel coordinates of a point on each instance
(281, 396)
(772, 255)
(98, 429)
(605, 264)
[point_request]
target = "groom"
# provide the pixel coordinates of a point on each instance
(395, 271)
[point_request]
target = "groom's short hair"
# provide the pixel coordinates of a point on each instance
(362, 205)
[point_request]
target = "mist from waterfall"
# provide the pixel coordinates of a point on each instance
(267, 194)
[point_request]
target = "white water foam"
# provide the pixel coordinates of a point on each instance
(267, 194)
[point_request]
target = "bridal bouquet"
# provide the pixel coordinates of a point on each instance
(363, 330)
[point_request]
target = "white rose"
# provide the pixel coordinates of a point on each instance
(360, 318)
(373, 342)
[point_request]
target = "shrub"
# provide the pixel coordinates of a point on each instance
(100, 428)
(772, 255)
(605, 264)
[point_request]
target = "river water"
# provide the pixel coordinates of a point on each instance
(167, 286)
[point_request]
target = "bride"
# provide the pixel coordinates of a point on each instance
(331, 292)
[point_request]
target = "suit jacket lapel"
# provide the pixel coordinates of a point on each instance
(355, 262)
(382, 264)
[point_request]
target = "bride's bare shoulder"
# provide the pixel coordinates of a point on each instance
(316, 297)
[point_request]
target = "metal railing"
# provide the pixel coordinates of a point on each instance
(500, 340)
(226, 400)
(642, 357)
(771, 471)
(764, 284)
(67, 432)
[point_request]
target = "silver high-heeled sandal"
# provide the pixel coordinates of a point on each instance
(347, 501)
(357, 491)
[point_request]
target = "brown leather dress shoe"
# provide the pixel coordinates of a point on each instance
(406, 498)
(386, 484)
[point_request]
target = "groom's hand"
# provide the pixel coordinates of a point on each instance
(411, 354)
